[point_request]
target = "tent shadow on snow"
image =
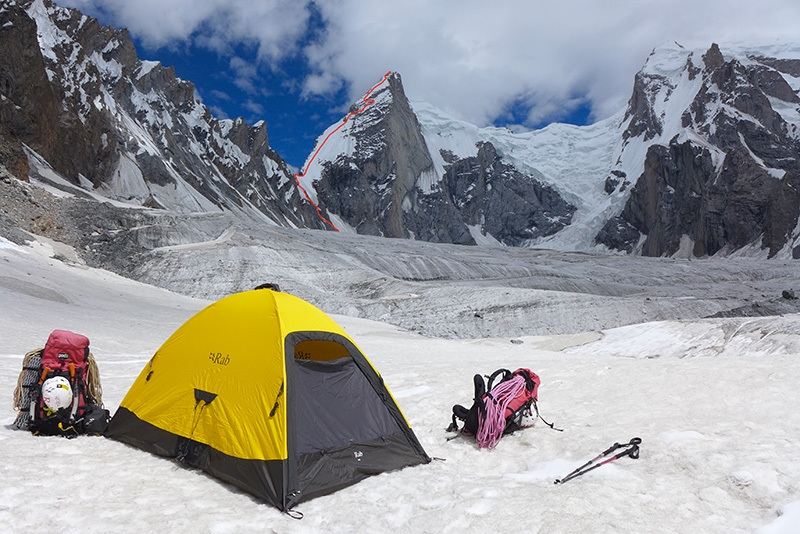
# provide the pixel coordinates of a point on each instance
(266, 392)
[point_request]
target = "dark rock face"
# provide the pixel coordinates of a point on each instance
(681, 194)
(29, 108)
(738, 188)
(97, 114)
(640, 109)
(713, 59)
(511, 206)
(376, 188)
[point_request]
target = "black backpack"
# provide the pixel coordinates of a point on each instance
(500, 404)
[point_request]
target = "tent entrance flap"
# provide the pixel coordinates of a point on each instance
(336, 406)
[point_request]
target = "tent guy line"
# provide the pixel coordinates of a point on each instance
(368, 101)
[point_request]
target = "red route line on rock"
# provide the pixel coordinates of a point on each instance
(367, 103)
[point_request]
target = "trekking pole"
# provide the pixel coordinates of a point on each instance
(632, 450)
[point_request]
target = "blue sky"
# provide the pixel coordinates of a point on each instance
(299, 64)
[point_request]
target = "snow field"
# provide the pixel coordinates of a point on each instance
(713, 401)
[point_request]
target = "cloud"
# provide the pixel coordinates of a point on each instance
(220, 95)
(475, 59)
(322, 83)
(218, 112)
(273, 26)
(245, 75)
(254, 107)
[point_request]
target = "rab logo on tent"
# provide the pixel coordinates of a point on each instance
(358, 455)
(219, 359)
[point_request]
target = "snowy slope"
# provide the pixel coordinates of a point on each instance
(717, 455)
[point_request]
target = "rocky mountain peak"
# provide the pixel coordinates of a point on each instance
(726, 176)
(368, 184)
(713, 59)
(131, 130)
(381, 178)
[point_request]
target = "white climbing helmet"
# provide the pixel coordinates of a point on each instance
(57, 393)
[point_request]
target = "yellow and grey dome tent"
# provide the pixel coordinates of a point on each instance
(265, 391)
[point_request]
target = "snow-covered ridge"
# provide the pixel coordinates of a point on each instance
(342, 137)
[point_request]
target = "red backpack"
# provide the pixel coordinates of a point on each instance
(59, 391)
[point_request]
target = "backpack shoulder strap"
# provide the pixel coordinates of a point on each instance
(505, 374)
(479, 388)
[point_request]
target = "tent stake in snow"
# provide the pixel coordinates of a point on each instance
(631, 449)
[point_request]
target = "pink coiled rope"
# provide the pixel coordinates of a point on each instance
(492, 425)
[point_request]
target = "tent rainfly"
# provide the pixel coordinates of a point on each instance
(264, 391)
